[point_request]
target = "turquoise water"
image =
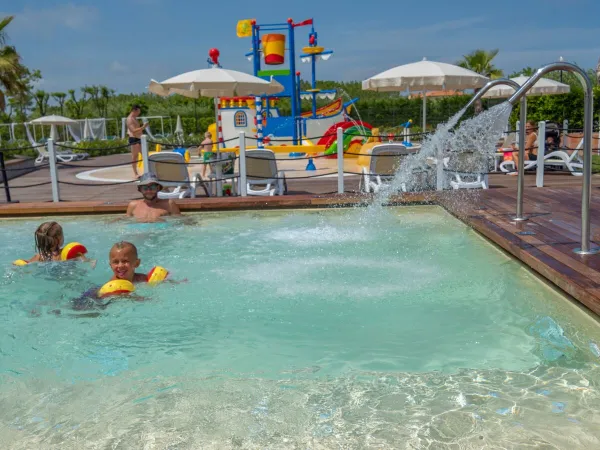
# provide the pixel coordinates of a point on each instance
(311, 329)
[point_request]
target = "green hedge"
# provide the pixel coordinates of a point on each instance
(100, 148)
(595, 164)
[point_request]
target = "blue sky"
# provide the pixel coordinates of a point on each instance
(125, 43)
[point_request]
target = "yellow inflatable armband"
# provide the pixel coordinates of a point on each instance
(157, 274)
(116, 287)
(72, 251)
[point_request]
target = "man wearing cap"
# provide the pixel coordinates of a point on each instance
(151, 208)
(135, 131)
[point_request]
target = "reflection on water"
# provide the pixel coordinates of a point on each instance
(310, 329)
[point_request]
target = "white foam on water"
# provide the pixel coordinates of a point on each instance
(319, 235)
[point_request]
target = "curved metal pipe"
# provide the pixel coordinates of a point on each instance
(523, 120)
(587, 141)
(491, 84)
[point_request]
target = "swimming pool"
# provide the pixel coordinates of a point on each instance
(320, 329)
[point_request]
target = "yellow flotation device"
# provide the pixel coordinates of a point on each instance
(69, 251)
(116, 287)
(156, 275)
(72, 251)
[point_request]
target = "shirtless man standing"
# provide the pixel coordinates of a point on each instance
(134, 131)
(151, 208)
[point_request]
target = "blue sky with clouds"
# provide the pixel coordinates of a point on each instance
(125, 43)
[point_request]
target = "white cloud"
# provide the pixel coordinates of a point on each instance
(118, 68)
(40, 20)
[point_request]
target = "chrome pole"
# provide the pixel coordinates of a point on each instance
(585, 248)
(521, 163)
(491, 84)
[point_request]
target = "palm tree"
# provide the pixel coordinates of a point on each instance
(480, 61)
(598, 71)
(60, 98)
(11, 70)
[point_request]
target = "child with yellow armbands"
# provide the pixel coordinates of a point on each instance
(49, 241)
(123, 260)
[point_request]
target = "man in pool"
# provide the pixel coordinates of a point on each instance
(151, 208)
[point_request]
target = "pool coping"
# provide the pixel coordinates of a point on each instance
(211, 204)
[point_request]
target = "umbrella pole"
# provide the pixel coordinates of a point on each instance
(218, 184)
(424, 111)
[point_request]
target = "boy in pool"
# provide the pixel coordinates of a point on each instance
(123, 260)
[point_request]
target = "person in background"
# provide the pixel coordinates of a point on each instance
(207, 146)
(530, 146)
(135, 131)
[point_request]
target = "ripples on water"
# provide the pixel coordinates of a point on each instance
(297, 329)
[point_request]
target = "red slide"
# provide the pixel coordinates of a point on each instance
(331, 134)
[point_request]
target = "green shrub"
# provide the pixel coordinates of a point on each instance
(596, 164)
(98, 148)
(18, 147)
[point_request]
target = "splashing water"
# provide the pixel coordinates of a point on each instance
(466, 150)
(359, 124)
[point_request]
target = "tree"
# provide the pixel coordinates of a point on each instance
(75, 106)
(106, 93)
(41, 99)
(480, 61)
(11, 70)
(526, 71)
(99, 95)
(60, 98)
(93, 92)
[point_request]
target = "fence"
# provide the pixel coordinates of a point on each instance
(54, 156)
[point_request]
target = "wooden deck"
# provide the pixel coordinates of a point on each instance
(551, 233)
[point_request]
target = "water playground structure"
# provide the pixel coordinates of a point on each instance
(261, 118)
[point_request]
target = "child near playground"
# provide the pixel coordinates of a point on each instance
(207, 146)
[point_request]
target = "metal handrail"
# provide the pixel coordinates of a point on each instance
(588, 122)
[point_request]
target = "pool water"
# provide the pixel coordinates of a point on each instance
(310, 329)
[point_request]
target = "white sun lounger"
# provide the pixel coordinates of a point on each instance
(66, 156)
(172, 172)
(263, 178)
(384, 163)
(467, 170)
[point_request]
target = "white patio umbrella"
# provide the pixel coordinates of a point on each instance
(179, 126)
(544, 86)
(215, 82)
(53, 120)
(424, 76)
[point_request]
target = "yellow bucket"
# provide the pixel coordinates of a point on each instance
(274, 48)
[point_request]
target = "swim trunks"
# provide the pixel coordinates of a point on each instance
(134, 140)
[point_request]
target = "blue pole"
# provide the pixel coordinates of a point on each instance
(314, 85)
(299, 121)
(255, 49)
(294, 92)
